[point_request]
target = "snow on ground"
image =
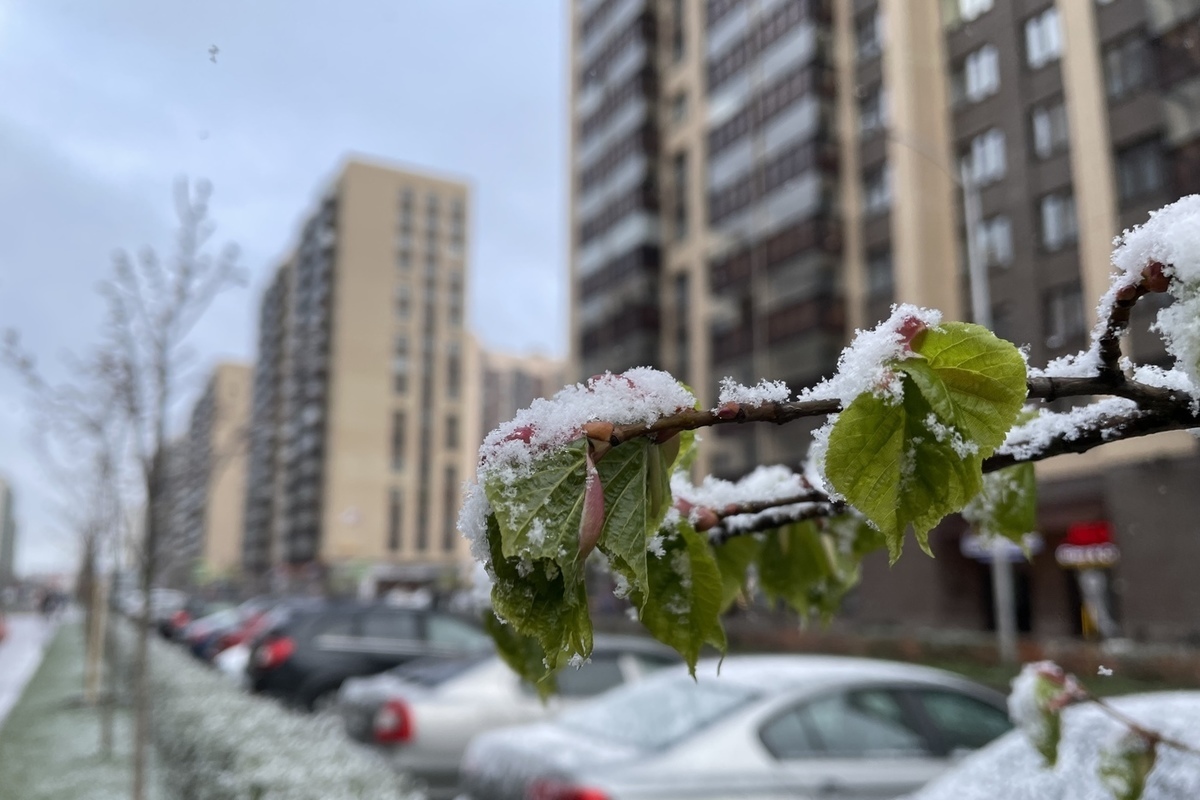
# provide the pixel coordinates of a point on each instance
(20, 653)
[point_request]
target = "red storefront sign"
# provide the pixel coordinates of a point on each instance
(1088, 545)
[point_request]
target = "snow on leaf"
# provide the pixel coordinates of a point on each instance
(1126, 764)
(1039, 694)
(682, 607)
(1007, 504)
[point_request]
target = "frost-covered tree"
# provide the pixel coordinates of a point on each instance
(925, 417)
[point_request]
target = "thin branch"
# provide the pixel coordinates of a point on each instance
(767, 522)
(1139, 729)
(692, 419)
(1103, 430)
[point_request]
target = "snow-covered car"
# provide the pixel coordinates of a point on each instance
(422, 715)
(1011, 768)
(764, 727)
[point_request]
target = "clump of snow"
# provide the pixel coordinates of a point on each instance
(1172, 379)
(577, 660)
(1104, 671)
(1170, 237)
(862, 366)
(1028, 440)
(764, 484)
(1179, 326)
(765, 392)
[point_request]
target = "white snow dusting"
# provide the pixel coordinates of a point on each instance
(1104, 671)
(862, 366)
(765, 392)
(1028, 440)
(764, 484)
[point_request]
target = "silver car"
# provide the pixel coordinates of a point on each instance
(765, 727)
(422, 715)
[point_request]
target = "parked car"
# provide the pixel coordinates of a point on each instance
(199, 635)
(765, 727)
(304, 659)
(1011, 768)
(423, 714)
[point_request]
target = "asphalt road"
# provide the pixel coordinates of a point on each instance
(20, 654)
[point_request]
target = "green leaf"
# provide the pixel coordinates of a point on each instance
(538, 512)
(522, 653)
(682, 607)
(534, 597)
(637, 494)
(984, 380)
(914, 462)
(1124, 769)
(734, 556)
(809, 569)
(1007, 504)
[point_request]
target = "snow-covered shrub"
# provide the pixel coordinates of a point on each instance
(215, 742)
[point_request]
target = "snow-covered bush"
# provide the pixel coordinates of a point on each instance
(215, 742)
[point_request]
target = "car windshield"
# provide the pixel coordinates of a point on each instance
(655, 714)
(435, 671)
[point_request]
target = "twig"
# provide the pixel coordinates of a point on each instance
(1139, 729)
(767, 522)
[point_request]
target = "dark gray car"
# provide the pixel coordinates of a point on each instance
(766, 727)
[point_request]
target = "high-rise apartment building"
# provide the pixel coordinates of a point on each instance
(212, 475)
(366, 387)
(513, 382)
(806, 158)
(8, 536)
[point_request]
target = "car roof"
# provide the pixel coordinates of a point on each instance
(798, 670)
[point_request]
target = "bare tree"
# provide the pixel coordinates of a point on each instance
(152, 306)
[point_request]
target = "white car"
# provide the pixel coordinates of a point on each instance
(764, 728)
(1012, 769)
(422, 715)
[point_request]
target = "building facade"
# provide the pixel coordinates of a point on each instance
(8, 536)
(806, 160)
(366, 387)
(513, 382)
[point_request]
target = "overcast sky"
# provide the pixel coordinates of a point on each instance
(105, 103)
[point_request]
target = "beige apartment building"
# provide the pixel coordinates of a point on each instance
(366, 396)
(207, 477)
(752, 180)
(512, 382)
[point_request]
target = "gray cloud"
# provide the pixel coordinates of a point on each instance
(104, 105)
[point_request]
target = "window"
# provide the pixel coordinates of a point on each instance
(964, 722)
(1058, 221)
(598, 675)
(458, 224)
(869, 36)
(398, 440)
(978, 77)
(450, 632)
(1126, 67)
(995, 241)
(973, 9)
(394, 511)
(452, 492)
(679, 173)
(872, 111)
(453, 370)
(678, 30)
(403, 302)
(451, 432)
(1048, 124)
(431, 214)
(404, 260)
(679, 108)
(879, 274)
(1064, 321)
(877, 191)
(862, 724)
(1043, 42)
(986, 157)
(390, 625)
(455, 302)
(1140, 170)
(431, 262)
(400, 365)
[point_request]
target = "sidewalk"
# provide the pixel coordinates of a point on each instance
(20, 653)
(50, 744)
